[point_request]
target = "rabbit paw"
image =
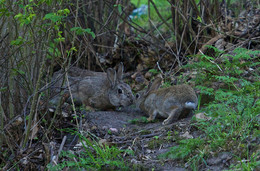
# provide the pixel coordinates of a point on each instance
(165, 122)
(149, 119)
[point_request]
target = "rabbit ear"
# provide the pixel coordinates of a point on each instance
(154, 85)
(120, 71)
(111, 75)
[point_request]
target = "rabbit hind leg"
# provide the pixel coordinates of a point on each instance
(173, 116)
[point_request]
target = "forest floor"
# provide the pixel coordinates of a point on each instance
(128, 129)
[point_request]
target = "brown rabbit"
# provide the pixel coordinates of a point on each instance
(78, 72)
(104, 91)
(168, 102)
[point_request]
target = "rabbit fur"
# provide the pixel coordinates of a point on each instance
(102, 91)
(168, 102)
(78, 72)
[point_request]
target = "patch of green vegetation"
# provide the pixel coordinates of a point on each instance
(139, 120)
(164, 10)
(154, 71)
(244, 165)
(185, 149)
(234, 110)
(155, 142)
(94, 157)
(145, 132)
(138, 2)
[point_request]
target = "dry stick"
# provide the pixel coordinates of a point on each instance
(61, 147)
(157, 26)
(61, 101)
(177, 57)
(184, 29)
(158, 13)
(141, 30)
(184, 19)
(36, 123)
(90, 46)
(189, 26)
(16, 162)
(7, 140)
(10, 82)
(197, 37)
(181, 39)
(33, 106)
(71, 97)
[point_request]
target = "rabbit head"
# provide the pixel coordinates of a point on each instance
(169, 103)
(120, 93)
(142, 95)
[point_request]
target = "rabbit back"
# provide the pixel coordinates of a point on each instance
(96, 89)
(170, 102)
(78, 72)
(96, 92)
(179, 95)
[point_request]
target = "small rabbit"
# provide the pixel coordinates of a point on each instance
(168, 102)
(104, 91)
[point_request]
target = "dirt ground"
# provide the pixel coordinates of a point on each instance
(147, 140)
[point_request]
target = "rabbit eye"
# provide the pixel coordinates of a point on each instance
(119, 91)
(137, 96)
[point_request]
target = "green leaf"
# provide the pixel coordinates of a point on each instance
(18, 41)
(81, 31)
(119, 7)
(66, 11)
(154, 71)
(199, 19)
(3, 89)
(16, 71)
(4, 11)
(18, 16)
(53, 17)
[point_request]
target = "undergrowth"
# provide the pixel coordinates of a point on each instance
(94, 156)
(234, 110)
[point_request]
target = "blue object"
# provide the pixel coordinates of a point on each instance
(139, 11)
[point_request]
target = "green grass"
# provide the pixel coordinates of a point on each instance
(234, 111)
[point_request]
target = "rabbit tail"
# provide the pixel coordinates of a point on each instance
(190, 105)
